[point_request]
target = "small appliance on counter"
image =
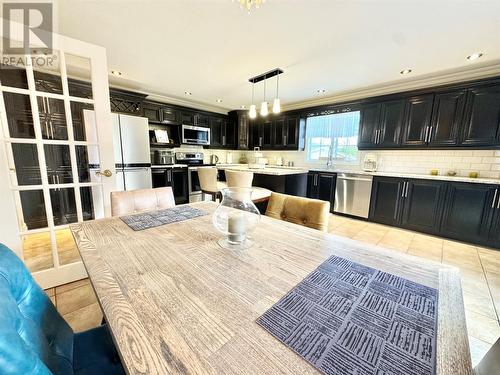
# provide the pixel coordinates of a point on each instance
(163, 157)
(229, 158)
(370, 163)
(214, 159)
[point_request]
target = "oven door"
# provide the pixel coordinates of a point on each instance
(195, 135)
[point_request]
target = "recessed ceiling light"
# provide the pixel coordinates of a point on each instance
(116, 73)
(188, 93)
(405, 71)
(321, 91)
(219, 100)
(474, 56)
(243, 106)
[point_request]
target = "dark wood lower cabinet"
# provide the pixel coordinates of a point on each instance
(422, 208)
(463, 211)
(321, 185)
(468, 212)
(387, 196)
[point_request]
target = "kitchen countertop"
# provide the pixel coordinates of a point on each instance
(170, 166)
(285, 170)
(268, 170)
(478, 180)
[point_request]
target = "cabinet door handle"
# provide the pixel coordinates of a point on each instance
(494, 199)
(430, 134)
(316, 180)
(426, 134)
(379, 135)
(260, 141)
(223, 140)
(403, 189)
(284, 140)
(406, 191)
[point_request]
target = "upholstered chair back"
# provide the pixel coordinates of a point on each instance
(34, 338)
(312, 213)
(239, 178)
(208, 179)
(129, 202)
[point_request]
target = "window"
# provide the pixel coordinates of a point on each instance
(334, 136)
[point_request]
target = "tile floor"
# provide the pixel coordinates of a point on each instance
(480, 270)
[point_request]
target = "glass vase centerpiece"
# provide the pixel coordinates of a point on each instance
(236, 218)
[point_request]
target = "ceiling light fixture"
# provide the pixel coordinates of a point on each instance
(248, 4)
(243, 106)
(474, 56)
(405, 71)
(321, 91)
(277, 102)
(116, 73)
(264, 109)
(219, 100)
(188, 93)
(252, 113)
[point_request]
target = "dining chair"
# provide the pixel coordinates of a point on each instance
(34, 337)
(490, 364)
(312, 213)
(209, 184)
(244, 179)
(129, 202)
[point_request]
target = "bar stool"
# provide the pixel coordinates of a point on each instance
(244, 179)
(209, 184)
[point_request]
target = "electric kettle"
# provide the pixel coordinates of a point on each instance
(214, 159)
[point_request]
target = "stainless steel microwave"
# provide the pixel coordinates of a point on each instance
(195, 135)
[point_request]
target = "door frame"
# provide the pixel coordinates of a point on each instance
(10, 230)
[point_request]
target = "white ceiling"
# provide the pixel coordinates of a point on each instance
(212, 47)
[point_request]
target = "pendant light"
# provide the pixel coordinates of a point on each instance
(252, 113)
(276, 103)
(264, 110)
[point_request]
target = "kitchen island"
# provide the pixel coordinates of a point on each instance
(292, 181)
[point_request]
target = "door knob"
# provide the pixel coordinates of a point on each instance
(106, 173)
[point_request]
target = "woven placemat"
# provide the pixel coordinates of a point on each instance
(161, 217)
(345, 318)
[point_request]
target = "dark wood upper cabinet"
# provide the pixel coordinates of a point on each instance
(417, 120)
(216, 132)
(241, 128)
(423, 200)
(267, 134)
(386, 200)
(279, 131)
(369, 125)
(187, 118)
(391, 121)
(169, 115)
(482, 117)
(152, 112)
(447, 115)
(468, 211)
(292, 133)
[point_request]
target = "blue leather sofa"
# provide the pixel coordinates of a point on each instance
(35, 339)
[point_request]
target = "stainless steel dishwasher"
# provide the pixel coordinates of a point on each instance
(353, 193)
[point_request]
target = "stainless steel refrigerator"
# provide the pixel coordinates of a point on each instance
(132, 157)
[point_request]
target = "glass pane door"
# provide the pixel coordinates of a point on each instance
(54, 150)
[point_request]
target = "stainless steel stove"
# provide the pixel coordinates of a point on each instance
(193, 160)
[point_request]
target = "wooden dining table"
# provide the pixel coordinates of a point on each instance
(178, 303)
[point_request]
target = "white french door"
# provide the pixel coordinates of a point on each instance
(57, 154)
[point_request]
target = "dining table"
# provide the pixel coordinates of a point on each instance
(176, 302)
